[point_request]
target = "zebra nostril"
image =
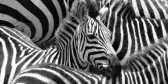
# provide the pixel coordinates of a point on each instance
(101, 68)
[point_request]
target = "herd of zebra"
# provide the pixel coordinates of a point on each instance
(83, 42)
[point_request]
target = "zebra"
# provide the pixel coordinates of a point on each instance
(151, 67)
(39, 19)
(149, 8)
(85, 45)
(131, 34)
(156, 9)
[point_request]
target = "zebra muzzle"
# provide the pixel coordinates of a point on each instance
(112, 68)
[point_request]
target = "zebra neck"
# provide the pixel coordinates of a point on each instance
(66, 30)
(67, 54)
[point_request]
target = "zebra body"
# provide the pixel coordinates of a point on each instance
(18, 51)
(39, 19)
(131, 34)
(148, 68)
(156, 9)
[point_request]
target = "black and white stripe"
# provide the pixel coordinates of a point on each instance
(131, 34)
(18, 51)
(156, 9)
(149, 67)
(39, 19)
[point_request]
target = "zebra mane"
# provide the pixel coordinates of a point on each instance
(69, 24)
(93, 10)
(140, 58)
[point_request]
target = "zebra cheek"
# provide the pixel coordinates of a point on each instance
(110, 50)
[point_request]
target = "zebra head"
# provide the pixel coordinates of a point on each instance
(89, 39)
(94, 45)
(94, 41)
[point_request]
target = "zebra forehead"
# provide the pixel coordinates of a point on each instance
(93, 26)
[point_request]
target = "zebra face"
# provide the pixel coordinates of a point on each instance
(94, 45)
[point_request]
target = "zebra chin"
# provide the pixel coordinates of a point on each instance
(104, 70)
(110, 67)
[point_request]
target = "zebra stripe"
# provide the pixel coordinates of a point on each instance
(132, 34)
(19, 52)
(156, 9)
(39, 19)
(149, 67)
(150, 8)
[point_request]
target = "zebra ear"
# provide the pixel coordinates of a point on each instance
(80, 10)
(102, 13)
(93, 9)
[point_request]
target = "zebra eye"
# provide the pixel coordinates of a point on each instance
(91, 36)
(110, 37)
